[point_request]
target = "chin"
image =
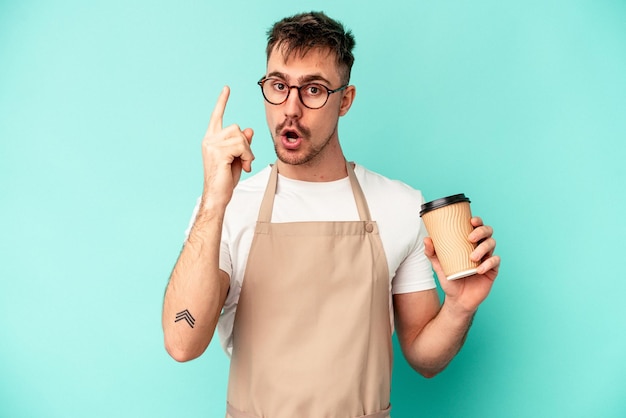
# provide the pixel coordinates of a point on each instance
(293, 158)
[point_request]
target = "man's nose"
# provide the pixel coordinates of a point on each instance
(293, 105)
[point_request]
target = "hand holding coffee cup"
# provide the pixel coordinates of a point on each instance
(447, 221)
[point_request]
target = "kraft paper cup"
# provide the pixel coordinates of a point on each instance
(447, 221)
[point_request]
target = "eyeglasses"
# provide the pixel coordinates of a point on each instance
(312, 95)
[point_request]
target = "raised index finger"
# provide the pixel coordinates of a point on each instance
(215, 123)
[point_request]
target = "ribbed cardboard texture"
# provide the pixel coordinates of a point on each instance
(449, 228)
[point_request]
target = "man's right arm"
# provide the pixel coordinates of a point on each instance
(197, 288)
(196, 291)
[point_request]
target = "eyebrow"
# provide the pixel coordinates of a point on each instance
(302, 80)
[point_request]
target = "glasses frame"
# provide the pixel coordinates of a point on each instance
(299, 88)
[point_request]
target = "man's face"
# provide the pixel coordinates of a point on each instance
(302, 135)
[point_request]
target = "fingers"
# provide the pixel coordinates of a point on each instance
(248, 132)
(429, 248)
(429, 251)
(231, 142)
(225, 153)
(492, 263)
(476, 221)
(246, 158)
(482, 235)
(485, 248)
(228, 138)
(215, 123)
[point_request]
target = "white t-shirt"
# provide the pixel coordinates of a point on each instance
(393, 205)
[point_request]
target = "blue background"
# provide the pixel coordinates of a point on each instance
(103, 105)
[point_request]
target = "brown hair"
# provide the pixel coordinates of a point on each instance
(305, 31)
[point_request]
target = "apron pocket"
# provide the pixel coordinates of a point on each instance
(232, 412)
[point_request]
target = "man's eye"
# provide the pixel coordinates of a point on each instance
(279, 86)
(313, 90)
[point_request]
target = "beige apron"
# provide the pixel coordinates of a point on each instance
(312, 336)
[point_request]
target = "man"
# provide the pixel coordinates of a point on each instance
(306, 264)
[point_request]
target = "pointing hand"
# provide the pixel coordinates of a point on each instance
(225, 152)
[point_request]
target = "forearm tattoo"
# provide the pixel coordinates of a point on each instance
(186, 316)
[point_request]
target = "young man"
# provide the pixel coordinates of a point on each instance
(306, 264)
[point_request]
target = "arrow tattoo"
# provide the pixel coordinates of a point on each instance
(186, 316)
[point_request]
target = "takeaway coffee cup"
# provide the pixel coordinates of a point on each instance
(447, 221)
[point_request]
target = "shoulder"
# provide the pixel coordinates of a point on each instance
(377, 186)
(393, 204)
(247, 196)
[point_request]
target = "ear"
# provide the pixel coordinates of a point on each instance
(347, 99)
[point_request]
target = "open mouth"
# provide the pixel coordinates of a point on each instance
(292, 136)
(291, 139)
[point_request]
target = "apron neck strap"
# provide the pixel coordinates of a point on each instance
(265, 212)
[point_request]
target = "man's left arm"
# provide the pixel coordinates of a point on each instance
(431, 335)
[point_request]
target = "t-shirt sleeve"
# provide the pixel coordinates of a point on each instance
(415, 273)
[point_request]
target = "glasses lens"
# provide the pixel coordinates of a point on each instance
(275, 91)
(313, 95)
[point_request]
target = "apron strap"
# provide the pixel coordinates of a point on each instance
(265, 212)
(359, 196)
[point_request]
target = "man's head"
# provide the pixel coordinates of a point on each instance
(306, 90)
(297, 35)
